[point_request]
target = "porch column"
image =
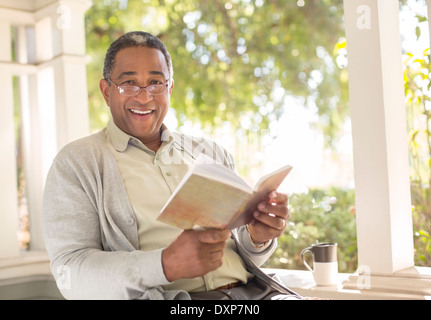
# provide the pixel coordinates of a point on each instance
(8, 186)
(380, 149)
(61, 83)
(429, 19)
(50, 65)
(68, 63)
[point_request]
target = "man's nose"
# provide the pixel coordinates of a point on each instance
(143, 96)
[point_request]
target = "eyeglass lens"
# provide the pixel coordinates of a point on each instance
(154, 89)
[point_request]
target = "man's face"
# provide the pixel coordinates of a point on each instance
(142, 115)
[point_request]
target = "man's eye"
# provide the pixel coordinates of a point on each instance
(128, 82)
(156, 82)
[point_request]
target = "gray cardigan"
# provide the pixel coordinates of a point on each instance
(91, 233)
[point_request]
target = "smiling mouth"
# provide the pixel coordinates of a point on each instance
(140, 112)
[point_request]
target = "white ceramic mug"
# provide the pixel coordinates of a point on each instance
(325, 264)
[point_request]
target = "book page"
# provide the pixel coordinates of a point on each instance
(272, 180)
(215, 172)
(212, 196)
(204, 202)
(221, 173)
(265, 185)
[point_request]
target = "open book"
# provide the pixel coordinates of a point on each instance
(212, 196)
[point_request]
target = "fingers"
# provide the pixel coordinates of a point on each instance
(277, 197)
(216, 256)
(194, 253)
(273, 212)
(213, 236)
(270, 217)
(271, 220)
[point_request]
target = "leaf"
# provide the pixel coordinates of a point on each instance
(418, 32)
(421, 18)
(424, 233)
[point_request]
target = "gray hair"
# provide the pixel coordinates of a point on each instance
(135, 39)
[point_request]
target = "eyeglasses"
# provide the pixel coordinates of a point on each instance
(152, 89)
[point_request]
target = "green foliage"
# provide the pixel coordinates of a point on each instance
(318, 216)
(418, 102)
(237, 60)
(233, 60)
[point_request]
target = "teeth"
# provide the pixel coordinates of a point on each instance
(140, 112)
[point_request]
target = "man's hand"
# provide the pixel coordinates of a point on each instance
(194, 253)
(270, 219)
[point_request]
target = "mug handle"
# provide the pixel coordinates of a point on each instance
(304, 261)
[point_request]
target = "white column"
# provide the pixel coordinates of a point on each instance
(53, 94)
(61, 84)
(73, 74)
(8, 186)
(382, 186)
(429, 18)
(67, 30)
(71, 100)
(33, 153)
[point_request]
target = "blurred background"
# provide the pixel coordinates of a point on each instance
(268, 79)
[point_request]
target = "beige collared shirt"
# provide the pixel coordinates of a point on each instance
(150, 178)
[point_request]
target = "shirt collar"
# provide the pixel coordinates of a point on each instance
(120, 140)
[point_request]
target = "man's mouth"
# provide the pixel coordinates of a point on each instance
(140, 112)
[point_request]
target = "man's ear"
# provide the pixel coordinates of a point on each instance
(171, 87)
(104, 88)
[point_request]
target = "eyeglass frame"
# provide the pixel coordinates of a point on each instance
(140, 88)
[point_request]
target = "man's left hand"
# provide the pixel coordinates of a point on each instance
(270, 219)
